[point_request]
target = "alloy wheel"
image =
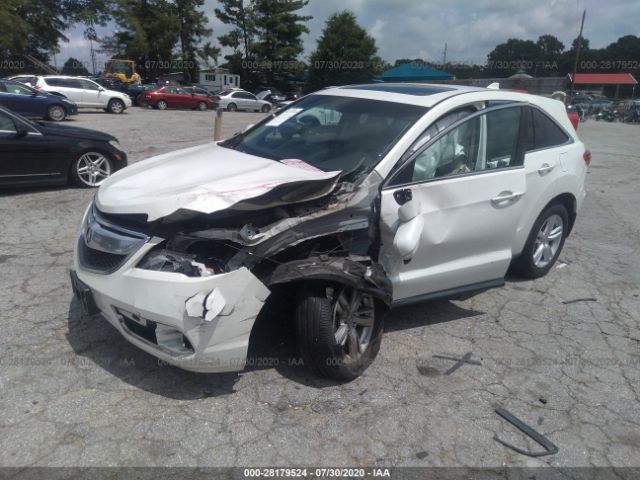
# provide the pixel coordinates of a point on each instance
(93, 168)
(353, 320)
(116, 106)
(162, 105)
(56, 113)
(548, 241)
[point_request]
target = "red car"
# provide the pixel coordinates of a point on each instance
(176, 97)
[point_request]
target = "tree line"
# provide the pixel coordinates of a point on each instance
(264, 43)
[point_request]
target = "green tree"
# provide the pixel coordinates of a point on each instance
(513, 55)
(279, 28)
(193, 27)
(148, 31)
(238, 14)
(549, 61)
(73, 66)
(345, 53)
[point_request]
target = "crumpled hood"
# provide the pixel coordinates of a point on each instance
(208, 178)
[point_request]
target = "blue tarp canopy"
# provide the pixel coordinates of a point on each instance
(414, 72)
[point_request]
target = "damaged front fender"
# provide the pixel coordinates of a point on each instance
(367, 278)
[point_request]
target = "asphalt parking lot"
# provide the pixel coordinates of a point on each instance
(562, 352)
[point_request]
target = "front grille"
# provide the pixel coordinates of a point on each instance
(104, 247)
(97, 260)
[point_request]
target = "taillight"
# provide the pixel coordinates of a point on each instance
(586, 156)
(37, 87)
(575, 120)
(218, 98)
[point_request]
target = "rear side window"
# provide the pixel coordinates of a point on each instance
(543, 132)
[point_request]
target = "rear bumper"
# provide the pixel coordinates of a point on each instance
(170, 306)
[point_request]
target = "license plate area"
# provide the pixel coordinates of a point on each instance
(83, 294)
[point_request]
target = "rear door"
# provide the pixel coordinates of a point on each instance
(450, 213)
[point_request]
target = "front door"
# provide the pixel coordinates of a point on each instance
(25, 157)
(449, 214)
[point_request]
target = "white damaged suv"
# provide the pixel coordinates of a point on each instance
(348, 202)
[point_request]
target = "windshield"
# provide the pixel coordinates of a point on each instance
(330, 132)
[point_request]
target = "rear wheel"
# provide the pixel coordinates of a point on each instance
(56, 113)
(202, 106)
(544, 243)
(161, 105)
(91, 169)
(338, 329)
(115, 106)
(232, 107)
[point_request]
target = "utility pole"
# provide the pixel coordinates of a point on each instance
(575, 65)
(444, 55)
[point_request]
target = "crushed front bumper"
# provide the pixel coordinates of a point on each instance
(153, 310)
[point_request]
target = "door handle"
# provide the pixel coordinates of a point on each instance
(545, 168)
(506, 197)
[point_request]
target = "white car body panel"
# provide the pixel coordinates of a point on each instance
(465, 236)
(219, 345)
(206, 179)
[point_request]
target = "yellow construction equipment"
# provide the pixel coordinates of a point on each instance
(125, 70)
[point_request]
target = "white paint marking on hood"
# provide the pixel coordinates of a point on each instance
(206, 178)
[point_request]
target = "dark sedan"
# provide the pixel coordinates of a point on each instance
(37, 153)
(30, 102)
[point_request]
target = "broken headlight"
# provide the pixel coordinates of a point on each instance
(193, 259)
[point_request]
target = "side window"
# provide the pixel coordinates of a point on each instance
(438, 126)
(503, 127)
(546, 133)
(236, 95)
(87, 85)
(18, 89)
(54, 82)
(484, 142)
(6, 123)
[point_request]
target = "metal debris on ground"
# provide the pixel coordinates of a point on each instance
(576, 300)
(549, 447)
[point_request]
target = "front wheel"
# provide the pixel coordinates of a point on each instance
(544, 243)
(266, 108)
(116, 106)
(91, 169)
(232, 107)
(56, 113)
(338, 329)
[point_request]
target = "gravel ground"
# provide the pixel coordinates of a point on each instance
(74, 393)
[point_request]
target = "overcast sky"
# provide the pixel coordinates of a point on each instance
(419, 28)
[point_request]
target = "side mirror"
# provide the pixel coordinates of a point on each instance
(407, 237)
(102, 89)
(21, 132)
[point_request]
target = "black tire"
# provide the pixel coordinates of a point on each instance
(56, 113)
(116, 106)
(139, 100)
(315, 334)
(161, 105)
(202, 106)
(265, 108)
(232, 107)
(524, 265)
